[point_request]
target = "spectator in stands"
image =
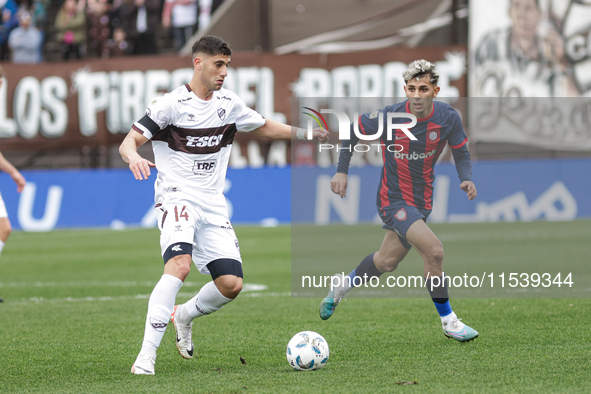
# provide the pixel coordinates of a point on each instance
(206, 10)
(141, 19)
(8, 22)
(25, 40)
(182, 16)
(118, 45)
(38, 11)
(70, 25)
(99, 29)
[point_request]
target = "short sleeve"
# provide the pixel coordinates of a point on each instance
(158, 116)
(246, 118)
(457, 137)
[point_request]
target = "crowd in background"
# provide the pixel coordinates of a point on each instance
(97, 28)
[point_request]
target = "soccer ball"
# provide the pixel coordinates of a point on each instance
(307, 350)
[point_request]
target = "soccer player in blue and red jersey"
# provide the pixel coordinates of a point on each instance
(405, 192)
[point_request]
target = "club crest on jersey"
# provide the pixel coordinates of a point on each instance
(222, 113)
(433, 135)
(400, 214)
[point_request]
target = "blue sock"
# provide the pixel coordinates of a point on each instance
(444, 309)
(439, 295)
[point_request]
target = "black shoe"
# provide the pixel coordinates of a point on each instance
(1, 299)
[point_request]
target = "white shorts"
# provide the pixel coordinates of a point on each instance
(3, 213)
(200, 221)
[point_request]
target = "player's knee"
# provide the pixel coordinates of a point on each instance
(177, 259)
(227, 275)
(179, 266)
(386, 263)
(229, 285)
(435, 254)
(389, 264)
(234, 288)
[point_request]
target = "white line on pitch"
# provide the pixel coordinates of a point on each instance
(39, 300)
(246, 286)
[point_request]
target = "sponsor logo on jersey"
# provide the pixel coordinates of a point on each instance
(178, 227)
(374, 114)
(191, 117)
(222, 113)
(414, 155)
(213, 140)
(173, 189)
(227, 226)
(400, 214)
(224, 97)
(176, 248)
(148, 112)
(185, 99)
(158, 325)
(204, 167)
(237, 245)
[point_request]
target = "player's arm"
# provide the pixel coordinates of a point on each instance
(339, 181)
(13, 172)
(280, 131)
(139, 166)
(464, 169)
(459, 149)
(368, 124)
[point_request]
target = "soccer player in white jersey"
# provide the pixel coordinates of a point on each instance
(5, 226)
(192, 129)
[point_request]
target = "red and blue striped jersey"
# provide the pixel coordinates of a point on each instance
(407, 176)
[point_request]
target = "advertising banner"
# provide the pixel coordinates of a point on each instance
(94, 102)
(507, 191)
(112, 198)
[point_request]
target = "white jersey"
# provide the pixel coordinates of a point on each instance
(192, 138)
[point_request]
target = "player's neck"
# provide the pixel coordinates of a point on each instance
(423, 114)
(201, 91)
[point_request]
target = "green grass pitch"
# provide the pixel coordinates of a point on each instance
(75, 304)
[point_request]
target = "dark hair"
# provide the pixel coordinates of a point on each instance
(212, 46)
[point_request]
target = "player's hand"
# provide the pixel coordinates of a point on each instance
(338, 184)
(470, 189)
(19, 180)
(321, 135)
(140, 167)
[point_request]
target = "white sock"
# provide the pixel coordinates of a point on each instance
(1, 246)
(448, 318)
(208, 300)
(345, 285)
(160, 307)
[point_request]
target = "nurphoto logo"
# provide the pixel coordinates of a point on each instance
(345, 129)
